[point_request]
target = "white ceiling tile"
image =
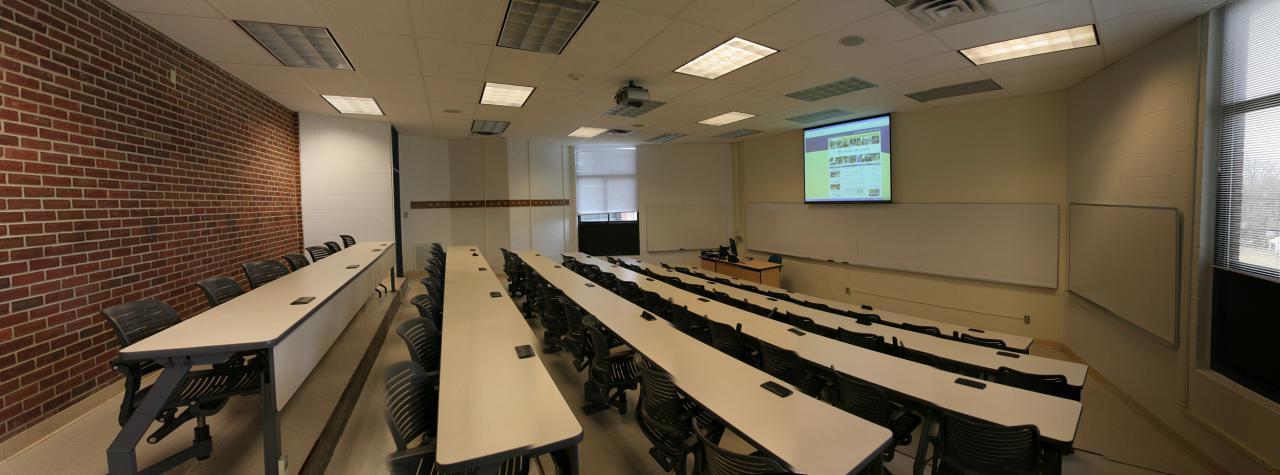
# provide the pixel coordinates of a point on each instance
(911, 49)
(808, 18)
(744, 100)
(1114, 50)
(267, 78)
(405, 107)
(1060, 59)
(772, 68)
(381, 16)
(394, 54)
(469, 21)
(289, 12)
(572, 73)
(1112, 9)
(731, 15)
(881, 29)
(1148, 24)
(937, 80)
(552, 98)
(803, 80)
(513, 66)
(1071, 73)
(667, 111)
(678, 44)
(1045, 17)
(452, 128)
(708, 93)
(303, 102)
(673, 86)
(778, 103)
(216, 39)
(488, 112)
(657, 7)
(612, 32)
(332, 81)
(935, 64)
(1010, 5)
(412, 126)
(618, 76)
(397, 86)
(454, 90)
(168, 7)
(464, 110)
(446, 59)
(1041, 88)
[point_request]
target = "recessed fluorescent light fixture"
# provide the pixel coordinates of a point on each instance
(723, 59)
(354, 105)
(727, 118)
(831, 89)
(508, 95)
(1061, 40)
(489, 127)
(543, 26)
(587, 132)
(298, 46)
(738, 133)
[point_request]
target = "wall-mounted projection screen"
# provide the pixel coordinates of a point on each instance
(848, 162)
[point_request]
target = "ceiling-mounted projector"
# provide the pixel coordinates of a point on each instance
(632, 100)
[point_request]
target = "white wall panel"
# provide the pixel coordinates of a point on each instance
(346, 179)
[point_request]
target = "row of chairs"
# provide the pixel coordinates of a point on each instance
(1052, 384)
(219, 289)
(963, 444)
(861, 316)
(413, 387)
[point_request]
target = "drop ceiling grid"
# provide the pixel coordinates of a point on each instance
(450, 56)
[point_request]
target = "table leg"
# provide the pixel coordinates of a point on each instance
(273, 462)
(393, 279)
(566, 460)
(922, 446)
(122, 453)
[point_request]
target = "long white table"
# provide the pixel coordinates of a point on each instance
(493, 404)
(988, 359)
(808, 435)
(1056, 418)
(293, 339)
(1017, 342)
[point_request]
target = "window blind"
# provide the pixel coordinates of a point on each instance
(606, 181)
(1248, 175)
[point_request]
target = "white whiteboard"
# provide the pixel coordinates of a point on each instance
(688, 226)
(1125, 259)
(1013, 243)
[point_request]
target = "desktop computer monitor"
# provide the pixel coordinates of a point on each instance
(733, 246)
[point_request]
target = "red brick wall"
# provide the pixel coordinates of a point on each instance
(116, 184)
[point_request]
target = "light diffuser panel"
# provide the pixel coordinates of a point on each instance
(721, 60)
(1061, 40)
(508, 95)
(354, 105)
(587, 132)
(727, 118)
(298, 46)
(544, 26)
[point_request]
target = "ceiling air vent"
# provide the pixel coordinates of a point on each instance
(664, 138)
(617, 132)
(738, 133)
(820, 115)
(962, 89)
(489, 127)
(939, 13)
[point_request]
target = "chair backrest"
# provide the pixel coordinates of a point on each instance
(725, 338)
(780, 363)
(930, 330)
(862, 399)
(220, 289)
(775, 258)
(973, 446)
(988, 342)
(260, 273)
(861, 317)
(599, 345)
(423, 339)
(347, 240)
(656, 304)
(333, 247)
(134, 321)
(608, 281)
(869, 341)
(296, 261)
(659, 396)
(720, 461)
(318, 252)
(412, 403)
(630, 291)
(1053, 385)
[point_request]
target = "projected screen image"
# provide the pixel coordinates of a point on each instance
(848, 162)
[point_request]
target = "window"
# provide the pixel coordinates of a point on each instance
(1248, 200)
(1246, 275)
(606, 185)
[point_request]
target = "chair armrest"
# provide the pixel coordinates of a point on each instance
(902, 411)
(425, 451)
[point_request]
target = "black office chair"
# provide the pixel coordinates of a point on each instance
(869, 402)
(612, 374)
(732, 342)
(716, 460)
(347, 240)
(987, 342)
(780, 295)
(967, 446)
(807, 324)
(786, 365)
(928, 330)
(698, 289)
(631, 291)
(296, 261)
(554, 323)
(869, 341)
(318, 252)
(200, 394)
(220, 289)
(260, 273)
(423, 340)
(1053, 385)
(608, 281)
(665, 418)
(334, 247)
(657, 305)
(690, 323)
(575, 336)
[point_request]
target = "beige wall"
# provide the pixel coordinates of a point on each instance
(1133, 131)
(682, 174)
(1004, 150)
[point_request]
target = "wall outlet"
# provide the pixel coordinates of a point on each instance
(847, 291)
(173, 76)
(1026, 319)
